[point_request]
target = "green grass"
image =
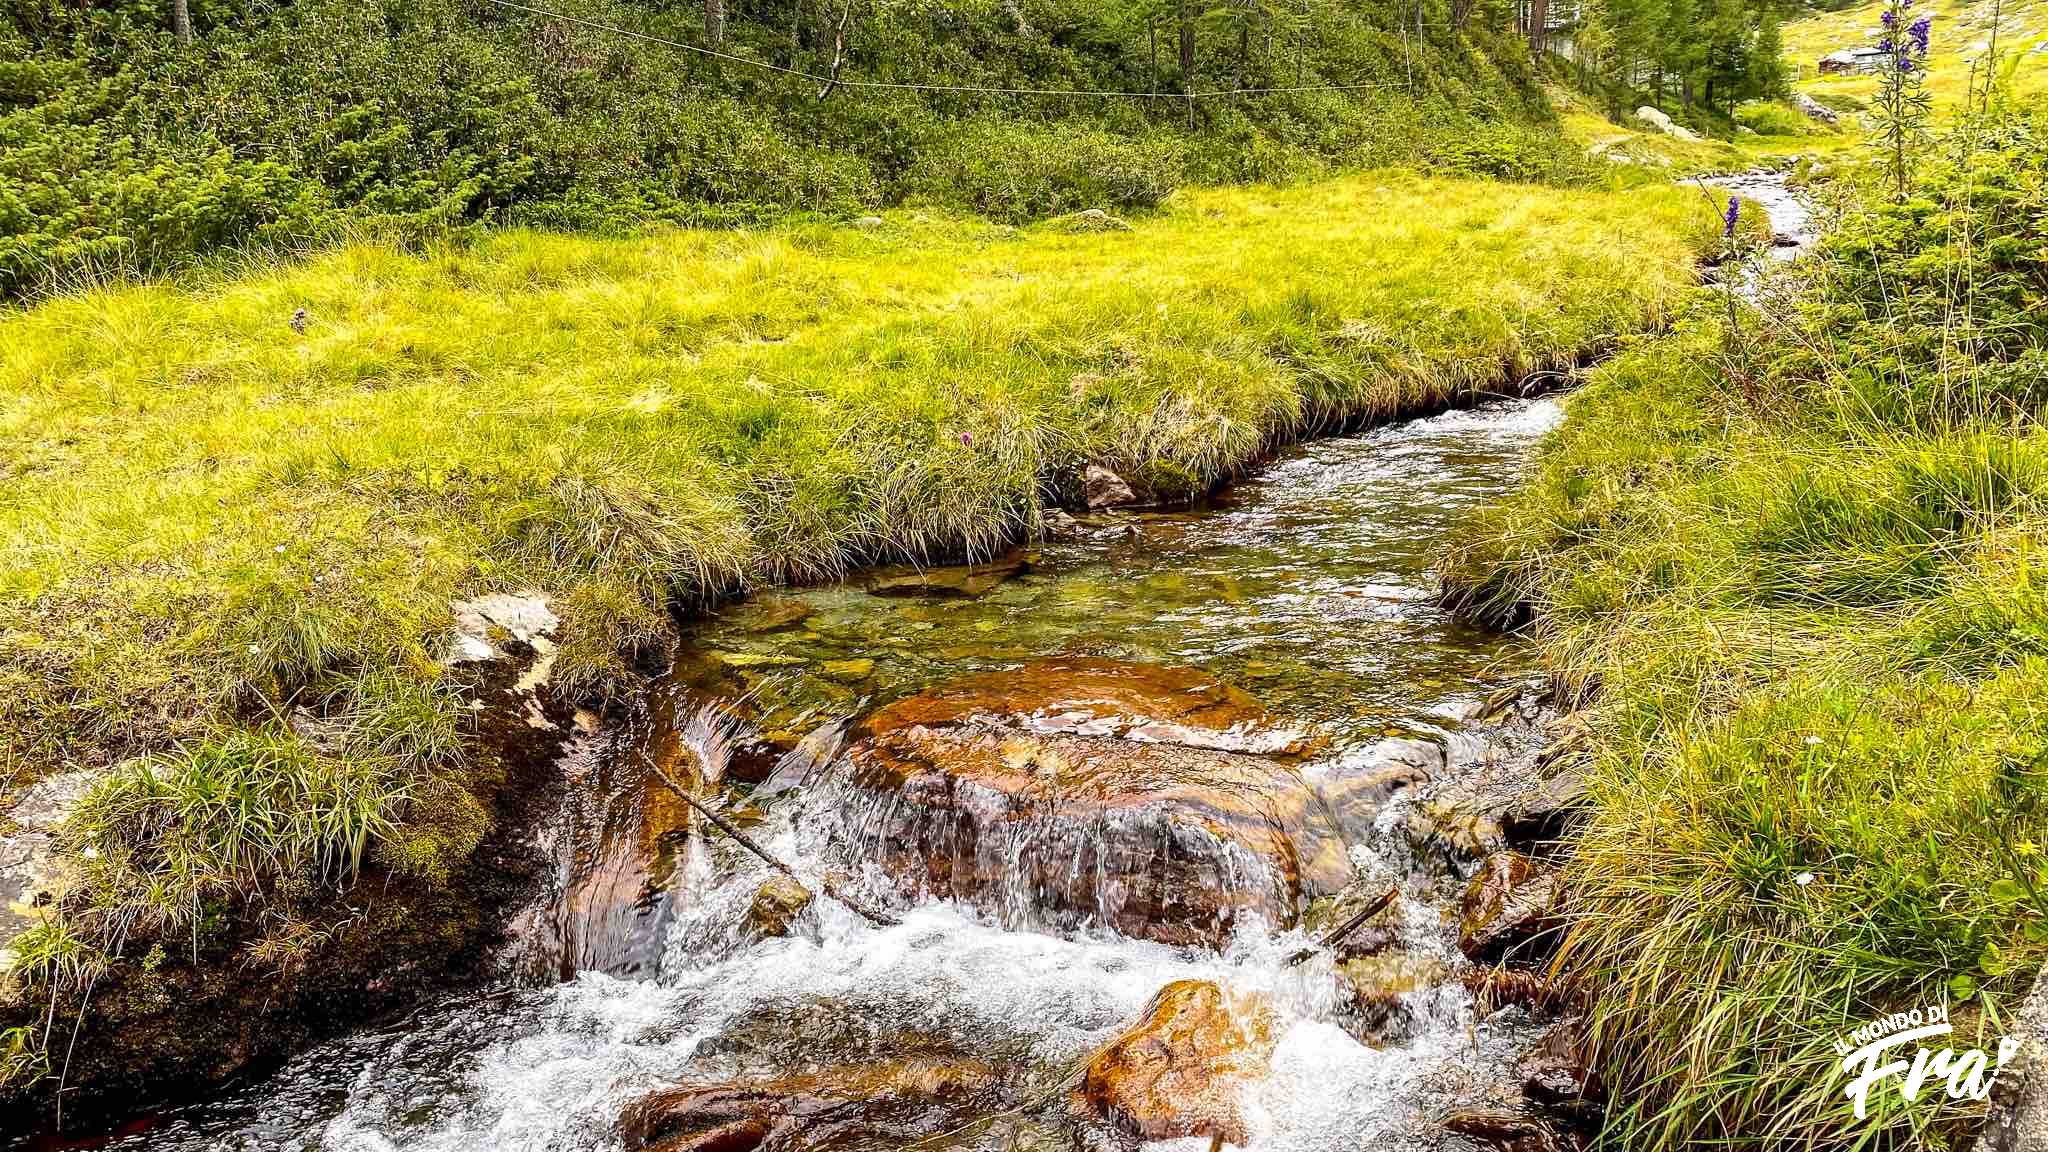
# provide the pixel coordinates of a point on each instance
(1796, 577)
(1645, 155)
(1960, 27)
(210, 521)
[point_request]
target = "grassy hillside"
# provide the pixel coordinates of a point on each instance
(123, 148)
(1961, 34)
(212, 519)
(1791, 557)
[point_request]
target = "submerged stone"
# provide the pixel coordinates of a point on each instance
(848, 671)
(952, 580)
(776, 905)
(1181, 1070)
(774, 614)
(887, 1101)
(756, 659)
(1379, 988)
(1158, 802)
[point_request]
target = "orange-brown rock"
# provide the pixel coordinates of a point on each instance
(1505, 1131)
(1159, 802)
(1182, 1069)
(1509, 902)
(894, 1101)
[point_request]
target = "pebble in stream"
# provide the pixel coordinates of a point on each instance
(1308, 587)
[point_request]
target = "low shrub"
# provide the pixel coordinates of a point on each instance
(1017, 171)
(1776, 118)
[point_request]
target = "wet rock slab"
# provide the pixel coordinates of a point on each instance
(1510, 902)
(1158, 802)
(32, 876)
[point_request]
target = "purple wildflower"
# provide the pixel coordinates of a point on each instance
(1729, 218)
(967, 439)
(1918, 31)
(1889, 18)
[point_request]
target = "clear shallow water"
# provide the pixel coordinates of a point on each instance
(1309, 586)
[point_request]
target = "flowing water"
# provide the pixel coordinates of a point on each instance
(1309, 587)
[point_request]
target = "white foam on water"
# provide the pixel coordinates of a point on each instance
(561, 1068)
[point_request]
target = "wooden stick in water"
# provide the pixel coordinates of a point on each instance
(1351, 924)
(871, 915)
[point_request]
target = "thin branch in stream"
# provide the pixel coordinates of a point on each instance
(1351, 924)
(871, 915)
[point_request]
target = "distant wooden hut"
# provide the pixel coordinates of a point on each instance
(1852, 61)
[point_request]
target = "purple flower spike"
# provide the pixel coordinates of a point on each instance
(1729, 218)
(1918, 31)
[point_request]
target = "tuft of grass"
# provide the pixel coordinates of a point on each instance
(250, 816)
(1804, 657)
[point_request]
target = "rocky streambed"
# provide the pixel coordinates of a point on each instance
(1185, 826)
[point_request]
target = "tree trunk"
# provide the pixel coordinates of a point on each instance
(714, 23)
(1244, 47)
(1539, 19)
(1187, 57)
(1301, 46)
(181, 20)
(1152, 44)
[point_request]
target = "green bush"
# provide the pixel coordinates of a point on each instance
(1775, 118)
(1913, 324)
(1016, 171)
(78, 194)
(1508, 151)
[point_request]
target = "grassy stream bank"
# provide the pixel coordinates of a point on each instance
(1790, 556)
(241, 500)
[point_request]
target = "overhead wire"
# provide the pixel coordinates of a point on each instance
(902, 86)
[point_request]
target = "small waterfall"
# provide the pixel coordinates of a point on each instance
(1023, 944)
